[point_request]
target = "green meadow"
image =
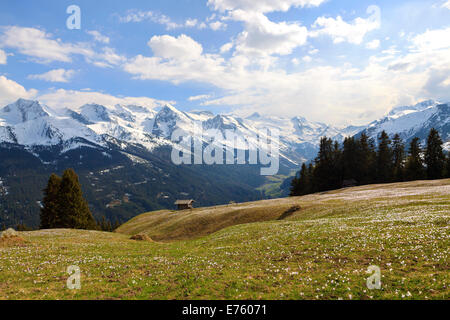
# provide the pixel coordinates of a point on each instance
(313, 247)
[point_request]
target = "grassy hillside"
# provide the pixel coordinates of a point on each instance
(321, 251)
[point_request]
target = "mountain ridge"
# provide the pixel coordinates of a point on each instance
(31, 123)
(123, 154)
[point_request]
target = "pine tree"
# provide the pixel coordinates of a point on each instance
(23, 227)
(448, 166)
(300, 184)
(116, 225)
(311, 186)
(74, 210)
(398, 151)
(372, 158)
(414, 169)
(295, 187)
(102, 224)
(366, 159)
(336, 178)
(50, 216)
(434, 156)
(384, 159)
(350, 160)
(105, 225)
(109, 227)
(327, 173)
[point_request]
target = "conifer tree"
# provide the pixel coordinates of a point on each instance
(384, 159)
(336, 178)
(50, 216)
(434, 156)
(74, 210)
(295, 187)
(398, 151)
(102, 224)
(109, 226)
(350, 159)
(311, 187)
(300, 184)
(116, 225)
(323, 168)
(373, 164)
(366, 160)
(448, 166)
(414, 169)
(362, 161)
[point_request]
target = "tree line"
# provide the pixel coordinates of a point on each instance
(359, 162)
(64, 206)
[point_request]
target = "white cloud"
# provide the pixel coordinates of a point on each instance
(205, 68)
(190, 23)
(10, 91)
(3, 57)
(262, 6)
(307, 59)
(168, 47)
(334, 94)
(217, 25)
(374, 44)
(261, 37)
(74, 99)
(226, 47)
(139, 16)
(38, 44)
(107, 58)
(341, 31)
(264, 37)
(57, 75)
(432, 40)
(446, 5)
(98, 36)
(200, 97)
(43, 49)
(178, 60)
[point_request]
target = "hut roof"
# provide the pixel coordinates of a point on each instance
(184, 202)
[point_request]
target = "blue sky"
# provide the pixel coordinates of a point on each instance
(333, 61)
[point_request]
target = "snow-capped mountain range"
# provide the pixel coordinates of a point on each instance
(31, 124)
(121, 154)
(414, 121)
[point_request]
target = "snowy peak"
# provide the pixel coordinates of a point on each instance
(78, 117)
(169, 111)
(222, 123)
(254, 116)
(22, 111)
(413, 121)
(30, 123)
(95, 113)
(201, 115)
(168, 119)
(404, 110)
(313, 130)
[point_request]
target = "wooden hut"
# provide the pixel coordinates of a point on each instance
(184, 204)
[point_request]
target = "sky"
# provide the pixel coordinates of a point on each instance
(339, 62)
